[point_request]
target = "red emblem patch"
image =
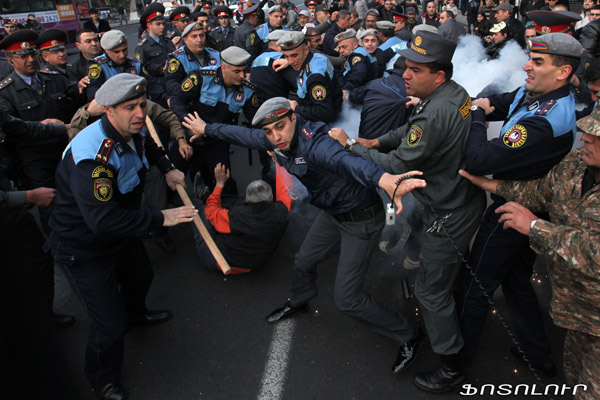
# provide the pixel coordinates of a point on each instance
(239, 97)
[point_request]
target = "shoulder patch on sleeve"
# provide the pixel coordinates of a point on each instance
(189, 83)
(101, 172)
(249, 84)
(545, 108)
(103, 190)
(515, 137)
(138, 57)
(414, 135)
(174, 65)
(6, 82)
(465, 109)
(356, 59)
(105, 150)
(319, 92)
(94, 71)
(252, 38)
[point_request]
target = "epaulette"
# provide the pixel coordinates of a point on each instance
(309, 134)
(132, 59)
(6, 82)
(177, 52)
(102, 59)
(307, 69)
(249, 85)
(546, 107)
(258, 27)
(47, 70)
(207, 72)
(142, 40)
(105, 151)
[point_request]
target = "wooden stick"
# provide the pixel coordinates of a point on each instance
(212, 246)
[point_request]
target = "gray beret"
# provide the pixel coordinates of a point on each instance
(275, 8)
(305, 13)
(235, 56)
(120, 88)
(385, 25)
(112, 39)
(348, 34)
(290, 40)
(368, 32)
(559, 44)
(424, 27)
(271, 111)
(276, 35)
(196, 26)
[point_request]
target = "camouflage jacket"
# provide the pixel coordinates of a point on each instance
(571, 240)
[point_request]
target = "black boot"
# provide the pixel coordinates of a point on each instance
(444, 379)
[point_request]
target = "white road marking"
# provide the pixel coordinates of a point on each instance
(273, 380)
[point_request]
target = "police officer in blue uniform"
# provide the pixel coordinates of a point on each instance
(191, 56)
(275, 22)
(390, 43)
(217, 95)
(319, 96)
(369, 41)
(342, 186)
(222, 36)
(360, 66)
(538, 132)
(97, 225)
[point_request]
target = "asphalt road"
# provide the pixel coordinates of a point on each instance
(219, 347)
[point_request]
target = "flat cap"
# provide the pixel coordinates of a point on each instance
(250, 10)
(112, 39)
(559, 44)
(552, 21)
(180, 13)
(236, 56)
(372, 11)
(503, 7)
(276, 35)
(429, 47)
(385, 25)
(196, 26)
(591, 123)
(271, 111)
(52, 39)
(152, 12)
(223, 11)
(368, 32)
(275, 8)
(347, 34)
(291, 40)
(120, 88)
(499, 27)
(21, 42)
(305, 13)
(424, 28)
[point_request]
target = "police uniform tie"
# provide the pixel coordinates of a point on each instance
(36, 85)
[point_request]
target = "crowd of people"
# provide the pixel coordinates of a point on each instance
(84, 179)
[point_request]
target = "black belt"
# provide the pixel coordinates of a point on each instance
(362, 214)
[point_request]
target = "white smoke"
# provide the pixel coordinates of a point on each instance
(348, 120)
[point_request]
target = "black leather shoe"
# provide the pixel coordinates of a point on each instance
(408, 353)
(442, 380)
(111, 391)
(62, 321)
(285, 311)
(150, 317)
(548, 369)
(165, 243)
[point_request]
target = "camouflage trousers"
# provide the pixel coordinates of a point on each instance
(582, 363)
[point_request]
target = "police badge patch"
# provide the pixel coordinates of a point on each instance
(94, 71)
(414, 135)
(515, 136)
(187, 85)
(355, 60)
(239, 97)
(252, 38)
(103, 189)
(319, 92)
(173, 65)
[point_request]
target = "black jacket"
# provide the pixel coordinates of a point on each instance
(103, 25)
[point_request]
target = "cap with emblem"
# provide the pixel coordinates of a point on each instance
(250, 10)
(368, 32)
(21, 42)
(591, 123)
(321, 7)
(429, 47)
(271, 111)
(396, 16)
(112, 39)
(305, 13)
(385, 25)
(275, 35)
(553, 21)
(347, 34)
(424, 28)
(152, 12)
(503, 7)
(120, 88)
(196, 26)
(291, 40)
(223, 11)
(499, 27)
(52, 40)
(275, 8)
(206, 4)
(311, 3)
(559, 44)
(181, 13)
(235, 56)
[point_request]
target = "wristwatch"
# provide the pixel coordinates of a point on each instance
(349, 143)
(532, 224)
(475, 108)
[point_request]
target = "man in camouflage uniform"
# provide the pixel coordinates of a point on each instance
(571, 240)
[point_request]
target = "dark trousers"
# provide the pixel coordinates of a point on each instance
(502, 257)
(357, 240)
(111, 286)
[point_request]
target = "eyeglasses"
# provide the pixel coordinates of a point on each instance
(26, 56)
(594, 14)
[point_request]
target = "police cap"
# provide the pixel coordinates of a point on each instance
(223, 11)
(429, 47)
(236, 56)
(250, 10)
(396, 16)
(552, 21)
(196, 26)
(52, 40)
(152, 12)
(275, 35)
(559, 44)
(291, 40)
(181, 13)
(368, 32)
(120, 88)
(112, 39)
(321, 7)
(21, 42)
(347, 34)
(311, 3)
(424, 27)
(271, 111)
(275, 8)
(591, 123)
